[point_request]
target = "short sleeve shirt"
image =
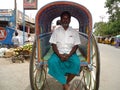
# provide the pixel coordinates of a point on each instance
(16, 40)
(65, 39)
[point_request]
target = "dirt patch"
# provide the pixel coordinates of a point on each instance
(5, 61)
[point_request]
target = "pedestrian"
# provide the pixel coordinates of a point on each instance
(29, 38)
(16, 40)
(64, 61)
(58, 23)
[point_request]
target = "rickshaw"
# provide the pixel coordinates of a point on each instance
(90, 63)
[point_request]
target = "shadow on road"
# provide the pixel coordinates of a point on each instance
(52, 84)
(28, 87)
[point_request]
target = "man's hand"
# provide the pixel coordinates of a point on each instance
(64, 57)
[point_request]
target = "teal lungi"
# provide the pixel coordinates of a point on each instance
(58, 69)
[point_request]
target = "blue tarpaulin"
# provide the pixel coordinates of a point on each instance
(8, 39)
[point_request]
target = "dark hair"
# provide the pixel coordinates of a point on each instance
(29, 35)
(58, 22)
(16, 33)
(65, 13)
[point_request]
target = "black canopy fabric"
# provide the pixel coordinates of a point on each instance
(49, 12)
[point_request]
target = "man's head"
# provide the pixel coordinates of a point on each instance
(29, 35)
(58, 22)
(16, 33)
(65, 19)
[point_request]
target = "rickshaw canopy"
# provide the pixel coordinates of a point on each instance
(49, 12)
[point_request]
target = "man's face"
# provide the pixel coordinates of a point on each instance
(65, 20)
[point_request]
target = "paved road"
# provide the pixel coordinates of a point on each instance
(110, 67)
(16, 76)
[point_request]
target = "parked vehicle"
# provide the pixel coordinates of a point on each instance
(90, 66)
(100, 39)
(112, 41)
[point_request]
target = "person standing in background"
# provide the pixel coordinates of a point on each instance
(29, 38)
(58, 23)
(16, 40)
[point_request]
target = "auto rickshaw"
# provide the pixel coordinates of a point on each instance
(90, 63)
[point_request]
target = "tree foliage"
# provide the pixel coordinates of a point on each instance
(112, 27)
(113, 9)
(101, 28)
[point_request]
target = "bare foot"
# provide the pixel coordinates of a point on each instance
(66, 87)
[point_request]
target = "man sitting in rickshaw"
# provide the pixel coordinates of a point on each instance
(64, 61)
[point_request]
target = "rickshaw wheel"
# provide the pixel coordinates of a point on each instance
(37, 75)
(89, 75)
(39, 79)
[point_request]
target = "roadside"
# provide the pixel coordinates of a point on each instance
(8, 73)
(15, 76)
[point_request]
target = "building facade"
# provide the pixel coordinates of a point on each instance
(10, 18)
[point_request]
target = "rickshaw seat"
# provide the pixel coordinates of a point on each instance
(50, 52)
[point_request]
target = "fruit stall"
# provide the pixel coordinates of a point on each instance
(20, 53)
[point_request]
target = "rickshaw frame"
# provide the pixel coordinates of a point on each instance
(40, 47)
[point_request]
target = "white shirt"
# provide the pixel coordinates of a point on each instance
(65, 39)
(16, 40)
(29, 39)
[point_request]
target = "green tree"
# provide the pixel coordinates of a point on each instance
(112, 27)
(101, 28)
(113, 9)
